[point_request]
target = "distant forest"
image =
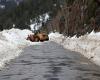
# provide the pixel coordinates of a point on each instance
(26, 10)
(75, 17)
(69, 17)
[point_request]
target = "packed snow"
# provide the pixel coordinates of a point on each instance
(11, 44)
(88, 45)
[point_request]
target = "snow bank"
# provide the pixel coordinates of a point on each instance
(11, 44)
(88, 45)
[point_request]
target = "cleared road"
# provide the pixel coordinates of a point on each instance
(50, 61)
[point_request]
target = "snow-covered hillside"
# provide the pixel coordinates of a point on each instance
(88, 45)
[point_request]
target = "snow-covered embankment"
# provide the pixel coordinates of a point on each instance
(88, 45)
(11, 44)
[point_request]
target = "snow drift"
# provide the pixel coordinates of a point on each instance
(88, 45)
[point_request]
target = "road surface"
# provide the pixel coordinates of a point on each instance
(50, 61)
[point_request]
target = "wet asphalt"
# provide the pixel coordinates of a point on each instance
(50, 61)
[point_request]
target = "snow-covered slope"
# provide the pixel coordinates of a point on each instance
(88, 45)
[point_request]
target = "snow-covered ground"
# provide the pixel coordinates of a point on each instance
(14, 40)
(88, 45)
(11, 44)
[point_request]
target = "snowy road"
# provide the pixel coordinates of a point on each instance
(49, 61)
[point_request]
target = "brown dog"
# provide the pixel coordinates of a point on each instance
(38, 37)
(43, 37)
